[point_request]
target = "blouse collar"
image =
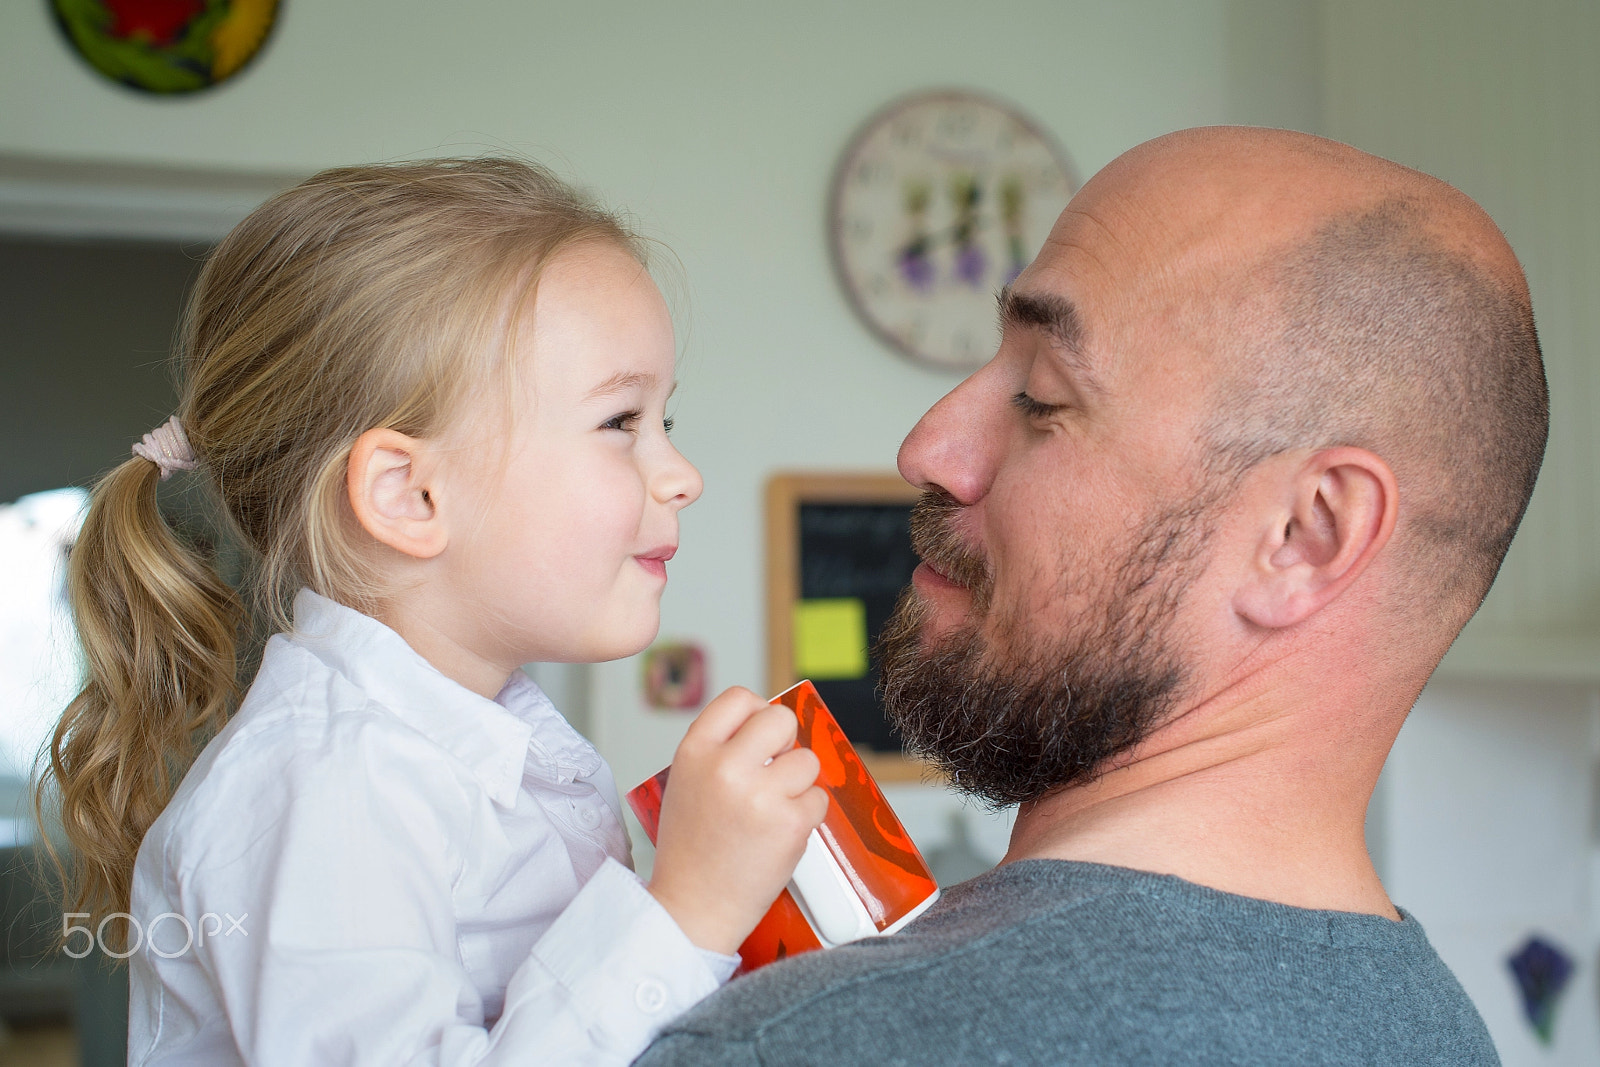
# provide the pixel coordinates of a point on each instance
(499, 740)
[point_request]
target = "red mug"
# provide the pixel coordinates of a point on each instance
(860, 876)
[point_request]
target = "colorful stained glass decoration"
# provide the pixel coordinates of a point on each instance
(1542, 971)
(167, 46)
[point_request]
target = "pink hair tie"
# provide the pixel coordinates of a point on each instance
(168, 448)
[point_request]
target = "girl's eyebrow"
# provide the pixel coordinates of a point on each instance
(620, 381)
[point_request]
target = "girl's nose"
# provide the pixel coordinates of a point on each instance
(678, 481)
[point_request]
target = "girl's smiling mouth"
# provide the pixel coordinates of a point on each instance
(655, 560)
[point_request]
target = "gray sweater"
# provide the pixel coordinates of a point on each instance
(1049, 962)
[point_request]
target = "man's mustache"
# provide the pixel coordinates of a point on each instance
(934, 539)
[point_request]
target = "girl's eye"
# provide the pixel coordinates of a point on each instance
(1034, 409)
(628, 421)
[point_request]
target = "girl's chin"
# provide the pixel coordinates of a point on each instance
(606, 639)
(637, 642)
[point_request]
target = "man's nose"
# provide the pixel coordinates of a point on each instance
(953, 447)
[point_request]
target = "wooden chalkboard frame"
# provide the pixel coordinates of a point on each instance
(786, 492)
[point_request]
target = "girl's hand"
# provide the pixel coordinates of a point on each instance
(734, 819)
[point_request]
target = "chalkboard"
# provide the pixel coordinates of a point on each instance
(839, 539)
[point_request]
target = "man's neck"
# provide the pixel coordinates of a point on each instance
(1238, 797)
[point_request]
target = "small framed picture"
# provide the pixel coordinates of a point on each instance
(675, 676)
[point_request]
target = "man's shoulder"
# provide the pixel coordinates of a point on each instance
(1050, 962)
(782, 1003)
(951, 968)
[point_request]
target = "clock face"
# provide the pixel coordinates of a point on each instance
(939, 202)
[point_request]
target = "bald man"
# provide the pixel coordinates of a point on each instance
(1265, 415)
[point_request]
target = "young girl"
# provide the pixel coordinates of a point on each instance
(431, 398)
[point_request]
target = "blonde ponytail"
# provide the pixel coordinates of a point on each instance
(159, 631)
(365, 297)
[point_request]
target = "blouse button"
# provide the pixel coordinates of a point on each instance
(588, 818)
(651, 996)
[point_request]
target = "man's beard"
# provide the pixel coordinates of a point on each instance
(1035, 711)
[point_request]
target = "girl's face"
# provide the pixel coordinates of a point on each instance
(577, 503)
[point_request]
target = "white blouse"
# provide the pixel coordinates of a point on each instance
(371, 864)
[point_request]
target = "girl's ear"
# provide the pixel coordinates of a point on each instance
(390, 482)
(1335, 514)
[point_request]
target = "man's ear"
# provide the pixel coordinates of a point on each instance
(390, 482)
(1334, 515)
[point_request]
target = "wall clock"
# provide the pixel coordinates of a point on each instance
(940, 200)
(166, 46)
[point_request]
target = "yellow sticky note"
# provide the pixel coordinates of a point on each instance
(830, 638)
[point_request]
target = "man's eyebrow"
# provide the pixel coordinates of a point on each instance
(620, 381)
(1054, 315)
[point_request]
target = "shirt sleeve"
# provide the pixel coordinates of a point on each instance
(603, 980)
(348, 952)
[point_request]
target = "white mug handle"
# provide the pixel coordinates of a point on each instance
(826, 897)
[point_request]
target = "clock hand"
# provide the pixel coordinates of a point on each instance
(950, 235)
